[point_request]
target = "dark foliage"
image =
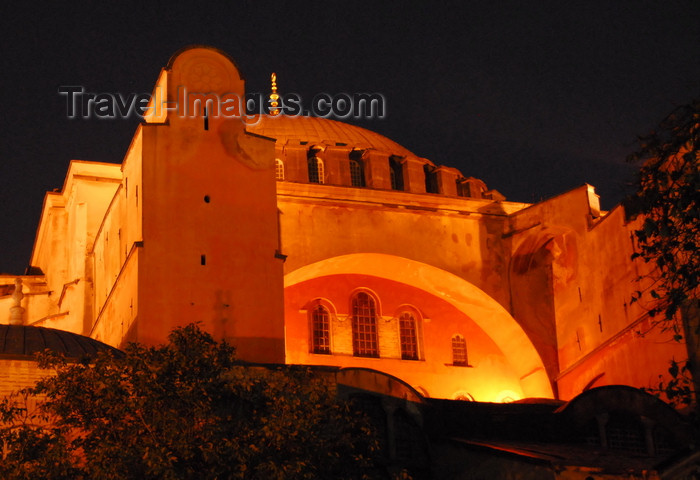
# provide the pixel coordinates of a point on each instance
(668, 197)
(186, 410)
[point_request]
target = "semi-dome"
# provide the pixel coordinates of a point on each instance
(26, 341)
(322, 130)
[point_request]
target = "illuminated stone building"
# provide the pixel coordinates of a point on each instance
(310, 241)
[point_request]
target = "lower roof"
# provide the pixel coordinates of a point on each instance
(26, 341)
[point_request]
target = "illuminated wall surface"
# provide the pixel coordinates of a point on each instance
(309, 241)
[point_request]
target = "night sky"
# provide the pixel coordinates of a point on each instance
(535, 98)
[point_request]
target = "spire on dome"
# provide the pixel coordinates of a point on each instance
(274, 97)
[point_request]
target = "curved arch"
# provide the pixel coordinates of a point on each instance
(591, 403)
(308, 306)
(610, 397)
(206, 67)
(407, 307)
(197, 46)
(375, 381)
(486, 312)
(372, 294)
(463, 396)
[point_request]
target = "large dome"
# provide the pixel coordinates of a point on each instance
(318, 130)
(26, 341)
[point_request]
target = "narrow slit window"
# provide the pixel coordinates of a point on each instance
(203, 260)
(396, 172)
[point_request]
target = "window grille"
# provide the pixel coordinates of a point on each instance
(459, 351)
(315, 170)
(320, 330)
(364, 326)
(408, 337)
(279, 169)
(357, 173)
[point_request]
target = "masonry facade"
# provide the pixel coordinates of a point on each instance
(309, 241)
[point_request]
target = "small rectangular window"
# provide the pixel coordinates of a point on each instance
(459, 351)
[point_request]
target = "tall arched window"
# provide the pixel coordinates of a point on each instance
(357, 173)
(279, 169)
(320, 330)
(315, 169)
(459, 351)
(357, 168)
(408, 336)
(364, 326)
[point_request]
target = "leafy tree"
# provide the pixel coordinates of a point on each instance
(31, 448)
(678, 389)
(668, 196)
(186, 410)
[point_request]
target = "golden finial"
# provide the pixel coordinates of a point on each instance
(274, 97)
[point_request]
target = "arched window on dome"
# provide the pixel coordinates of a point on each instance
(315, 169)
(279, 169)
(357, 169)
(459, 351)
(320, 330)
(408, 336)
(431, 180)
(462, 187)
(396, 173)
(364, 325)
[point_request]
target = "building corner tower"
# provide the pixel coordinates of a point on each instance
(208, 213)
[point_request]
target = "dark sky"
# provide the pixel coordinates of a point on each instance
(535, 98)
